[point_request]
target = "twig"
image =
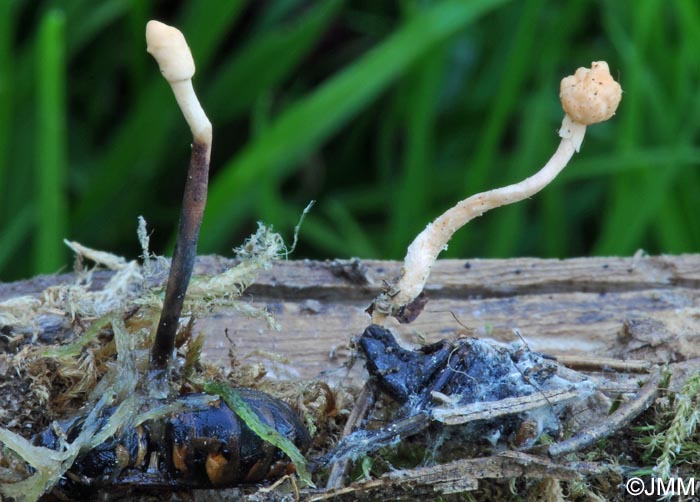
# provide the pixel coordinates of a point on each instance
(463, 475)
(582, 363)
(621, 417)
(509, 406)
(372, 440)
(340, 469)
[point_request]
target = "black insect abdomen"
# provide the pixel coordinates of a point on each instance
(206, 445)
(214, 447)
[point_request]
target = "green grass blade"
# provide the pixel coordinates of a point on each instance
(276, 12)
(640, 159)
(357, 243)
(51, 201)
(514, 70)
(7, 32)
(88, 22)
(13, 235)
(628, 222)
(252, 73)
(307, 123)
(513, 62)
(325, 237)
(420, 88)
(138, 63)
(442, 103)
(673, 234)
(76, 346)
(204, 24)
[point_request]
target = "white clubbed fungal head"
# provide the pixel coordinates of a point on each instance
(169, 48)
(591, 95)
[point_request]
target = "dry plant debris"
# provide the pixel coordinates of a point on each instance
(103, 359)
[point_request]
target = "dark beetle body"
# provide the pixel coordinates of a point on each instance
(203, 446)
(214, 447)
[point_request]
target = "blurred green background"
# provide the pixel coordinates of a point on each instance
(385, 112)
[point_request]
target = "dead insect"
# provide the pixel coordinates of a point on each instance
(472, 370)
(463, 371)
(203, 446)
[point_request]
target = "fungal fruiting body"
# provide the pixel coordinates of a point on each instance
(588, 96)
(169, 47)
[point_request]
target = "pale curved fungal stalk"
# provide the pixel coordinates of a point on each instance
(588, 96)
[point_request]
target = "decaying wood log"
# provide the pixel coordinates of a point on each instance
(603, 315)
(643, 308)
(459, 476)
(640, 308)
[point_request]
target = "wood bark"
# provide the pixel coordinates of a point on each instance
(635, 308)
(616, 314)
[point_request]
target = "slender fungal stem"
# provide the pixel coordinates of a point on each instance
(426, 247)
(169, 48)
(193, 203)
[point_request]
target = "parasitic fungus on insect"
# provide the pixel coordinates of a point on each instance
(169, 48)
(589, 96)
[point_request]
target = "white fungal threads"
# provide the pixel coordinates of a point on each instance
(169, 48)
(589, 96)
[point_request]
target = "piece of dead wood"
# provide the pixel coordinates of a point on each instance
(463, 475)
(455, 415)
(363, 402)
(644, 308)
(640, 308)
(618, 419)
(582, 363)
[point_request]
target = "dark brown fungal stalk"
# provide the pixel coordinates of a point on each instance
(169, 48)
(193, 202)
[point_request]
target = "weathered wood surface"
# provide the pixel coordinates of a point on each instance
(642, 307)
(630, 308)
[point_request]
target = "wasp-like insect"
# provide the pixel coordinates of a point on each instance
(203, 446)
